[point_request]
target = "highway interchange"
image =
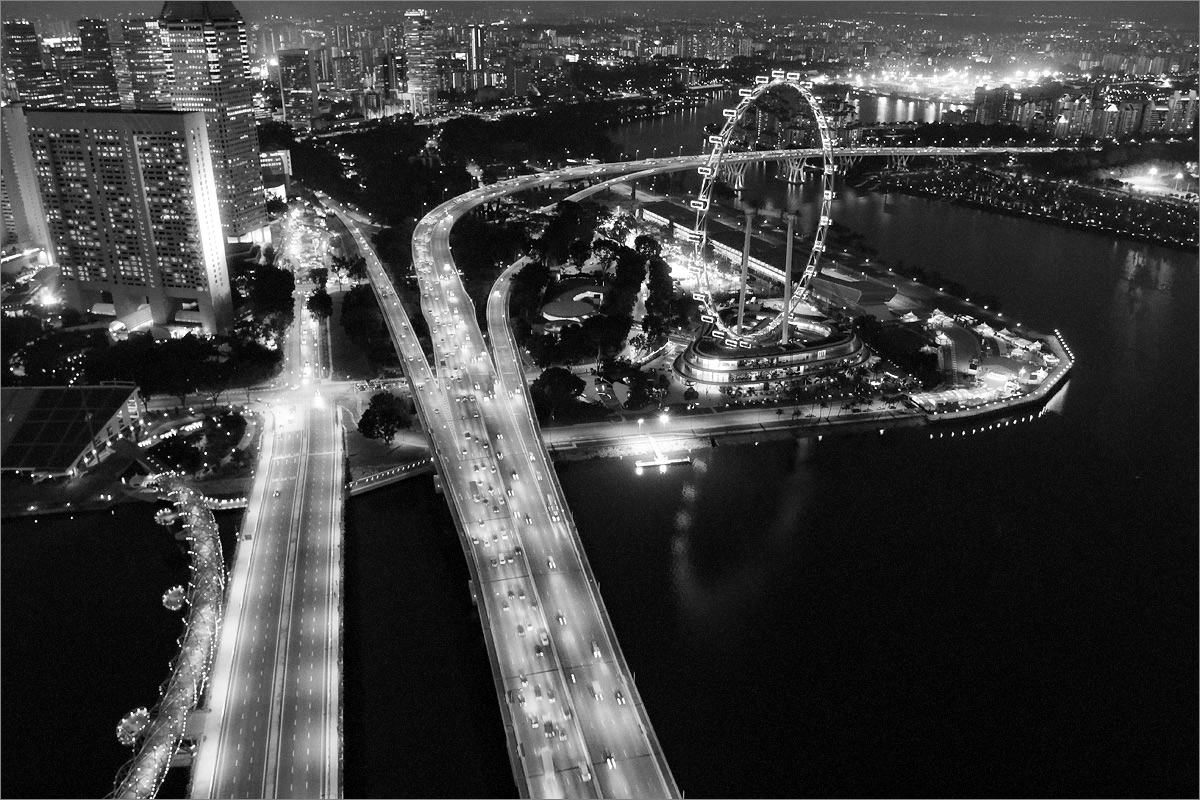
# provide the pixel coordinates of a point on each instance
(575, 721)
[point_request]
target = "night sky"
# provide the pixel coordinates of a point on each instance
(1183, 14)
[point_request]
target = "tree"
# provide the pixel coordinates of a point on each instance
(647, 245)
(553, 388)
(275, 207)
(660, 287)
(356, 269)
(270, 295)
(386, 416)
(320, 304)
(579, 251)
(606, 250)
(319, 276)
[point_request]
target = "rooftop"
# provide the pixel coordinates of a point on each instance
(45, 428)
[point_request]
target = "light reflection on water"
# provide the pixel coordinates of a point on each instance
(719, 572)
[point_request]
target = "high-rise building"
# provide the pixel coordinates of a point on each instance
(20, 197)
(208, 69)
(132, 213)
(24, 68)
(298, 86)
(95, 82)
(121, 73)
(421, 63)
(347, 71)
(474, 45)
(147, 65)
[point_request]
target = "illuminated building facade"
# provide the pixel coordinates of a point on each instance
(133, 215)
(208, 69)
(298, 86)
(95, 81)
(20, 198)
(147, 66)
(826, 351)
(24, 69)
(420, 58)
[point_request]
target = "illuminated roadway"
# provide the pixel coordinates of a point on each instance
(575, 722)
(274, 725)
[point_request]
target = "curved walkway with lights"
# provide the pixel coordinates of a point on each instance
(142, 775)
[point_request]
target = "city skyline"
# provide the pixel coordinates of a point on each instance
(349, 349)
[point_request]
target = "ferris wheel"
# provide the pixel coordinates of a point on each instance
(711, 174)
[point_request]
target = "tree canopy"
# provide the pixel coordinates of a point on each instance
(320, 304)
(553, 388)
(386, 416)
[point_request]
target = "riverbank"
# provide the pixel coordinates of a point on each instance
(1000, 204)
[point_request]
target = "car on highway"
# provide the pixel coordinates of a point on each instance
(620, 697)
(562, 620)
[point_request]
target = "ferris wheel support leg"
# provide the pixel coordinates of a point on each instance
(745, 272)
(787, 279)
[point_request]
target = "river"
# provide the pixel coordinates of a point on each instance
(1006, 614)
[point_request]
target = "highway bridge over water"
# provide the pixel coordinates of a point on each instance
(574, 719)
(575, 722)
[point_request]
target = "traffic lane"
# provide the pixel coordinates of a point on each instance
(534, 688)
(309, 658)
(240, 765)
(581, 626)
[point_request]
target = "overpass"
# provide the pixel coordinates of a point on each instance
(574, 721)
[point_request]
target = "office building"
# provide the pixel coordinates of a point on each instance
(20, 198)
(95, 81)
(474, 43)
(208, 69)
(25, 70)
(298, 86)
(421, 75)
(133, 216)
(147, 65)
(120, 63)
